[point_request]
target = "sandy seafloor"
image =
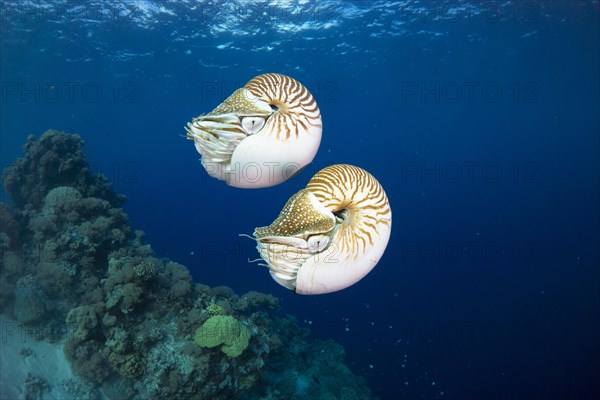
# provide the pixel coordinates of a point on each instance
(22, 355)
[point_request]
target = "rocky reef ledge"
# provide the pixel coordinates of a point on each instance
(75, 276)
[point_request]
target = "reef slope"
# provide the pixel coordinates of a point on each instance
(75, 276)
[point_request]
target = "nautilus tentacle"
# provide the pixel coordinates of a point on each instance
(261, 135)
(330, 234)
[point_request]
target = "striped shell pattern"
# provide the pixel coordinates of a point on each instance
(330, 234)
(260, 135)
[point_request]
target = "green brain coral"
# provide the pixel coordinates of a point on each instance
(225, 330)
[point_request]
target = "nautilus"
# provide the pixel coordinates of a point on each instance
(330, 234)
(261, 135)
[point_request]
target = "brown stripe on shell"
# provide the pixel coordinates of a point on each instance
(343, 186)
(300, 111)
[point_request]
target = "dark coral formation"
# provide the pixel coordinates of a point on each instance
(55, 160)
(71, 262)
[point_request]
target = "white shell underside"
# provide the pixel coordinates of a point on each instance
(334, 270)
(254, 161)
(261, 160)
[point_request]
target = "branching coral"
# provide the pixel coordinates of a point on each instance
(87, 360)
(126, 296)
(84, 319)
(214, 309)
(179, 279)
(146, 269)
(253, 301)
(35, 387)
(127, 280)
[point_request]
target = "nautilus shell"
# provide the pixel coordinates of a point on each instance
(261, 135)
(330, 234)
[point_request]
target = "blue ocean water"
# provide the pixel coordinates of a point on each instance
(480, 120)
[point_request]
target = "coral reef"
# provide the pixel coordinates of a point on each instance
(53, 161)
(30, 302)
(35, 387)
(127, 319)
(223, 330)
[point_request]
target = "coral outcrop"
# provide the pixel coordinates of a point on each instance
(30, 301)
(226, 331)
(72, 266)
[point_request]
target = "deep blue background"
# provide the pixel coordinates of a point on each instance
(490, 284)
